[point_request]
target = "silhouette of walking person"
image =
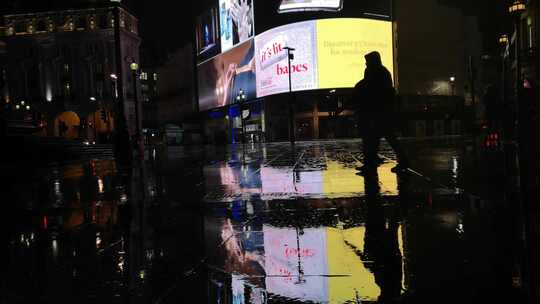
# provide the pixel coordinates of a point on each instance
(375, 99)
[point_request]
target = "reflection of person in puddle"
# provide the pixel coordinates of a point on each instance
(381, 253)
(238, 260)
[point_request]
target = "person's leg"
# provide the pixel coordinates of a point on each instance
(402, 159)
(371, 148)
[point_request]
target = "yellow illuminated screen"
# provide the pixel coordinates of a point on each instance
(342, 44)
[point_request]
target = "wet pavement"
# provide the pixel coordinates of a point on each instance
(263, 223)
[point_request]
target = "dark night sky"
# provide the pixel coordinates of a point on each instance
(166, 25)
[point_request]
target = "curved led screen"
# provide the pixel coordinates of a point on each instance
(329, 53)
(226, 77)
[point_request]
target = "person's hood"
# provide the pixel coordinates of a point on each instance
(373, 59)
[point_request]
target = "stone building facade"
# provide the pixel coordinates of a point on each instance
(64, 72)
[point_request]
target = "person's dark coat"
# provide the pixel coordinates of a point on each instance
(375, 97)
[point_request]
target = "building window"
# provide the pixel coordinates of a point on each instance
(99, 68)
(67, 89)
(81, 23)
(92, 23)
(69, 25)
(41, 26)
(99, 89)
(530, 33)
(66, 68)
(155, 76)
(103, 21)
(144, 76)
(20, 27)
(50, 26)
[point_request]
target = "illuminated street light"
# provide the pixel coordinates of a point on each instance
(240, 98)
(92, 99)
(453, 85)
(503, 39)
(516, 9)
(28, 108)
(134, 66)
(114, 77)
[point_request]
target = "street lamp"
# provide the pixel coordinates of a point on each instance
(241, 98)
(290, 56)
(453, 85)
(503, 40)
(134, 66)
(516, 9)
(114, 79)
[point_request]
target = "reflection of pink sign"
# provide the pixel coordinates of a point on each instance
(282, 257)
(302, 252)
(276, 180)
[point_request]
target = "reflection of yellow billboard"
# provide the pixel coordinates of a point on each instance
(342, 44)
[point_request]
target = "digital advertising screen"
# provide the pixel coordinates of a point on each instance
(236, 22)
(206, 31)
(328, 54)
(342, 45)
(287, 6)
(224, 77)
(272, 62)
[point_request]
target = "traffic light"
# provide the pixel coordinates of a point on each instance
(103, 115)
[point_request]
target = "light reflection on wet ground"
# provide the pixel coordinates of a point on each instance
(257, 224)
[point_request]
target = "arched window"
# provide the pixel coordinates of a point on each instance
(20, 27)
(41, 26)
(103, 21)
(81, 23)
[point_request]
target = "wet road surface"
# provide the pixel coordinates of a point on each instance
(263, 223)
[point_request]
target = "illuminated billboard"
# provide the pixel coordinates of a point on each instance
(236, 22)
(272, 63)
(206, 31)
(342, 45)
(305, 5)
(329, 53)
(226, 76)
